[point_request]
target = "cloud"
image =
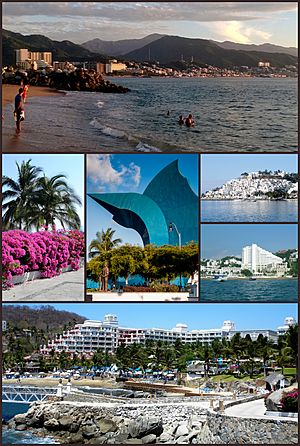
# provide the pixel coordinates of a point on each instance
(104, 176)
(239, 33)
(82, 21)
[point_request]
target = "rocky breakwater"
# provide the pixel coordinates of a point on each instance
(83, 80)
(82, 423)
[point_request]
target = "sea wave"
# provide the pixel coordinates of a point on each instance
(142, 147)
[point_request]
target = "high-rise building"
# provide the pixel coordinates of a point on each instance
(24, 55)
(258, 260)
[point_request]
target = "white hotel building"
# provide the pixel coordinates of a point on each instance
(258, 260)
(107, 335)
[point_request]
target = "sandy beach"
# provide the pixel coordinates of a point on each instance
(11, 142)
(9, 92)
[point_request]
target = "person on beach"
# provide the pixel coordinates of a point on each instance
(24, 93)
(180, 120)
(189, 121)
(19, 112)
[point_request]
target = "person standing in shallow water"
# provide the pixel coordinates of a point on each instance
(19, 110)
(180, 120)
(189, 121)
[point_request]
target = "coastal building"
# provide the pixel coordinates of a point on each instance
(25, 55)
(258, 260)
(288, 322)
(107, 335)
(165, 214)
(114, 65)
(256, 185)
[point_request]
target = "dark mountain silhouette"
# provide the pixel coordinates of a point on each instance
(170, 49)
(119, 47)
(265, 47)
(62, 51)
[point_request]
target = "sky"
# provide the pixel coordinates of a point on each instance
(196, 316)
(70, 165)
(127, 173)
(218, 241)
(242, 22)
(217, 169)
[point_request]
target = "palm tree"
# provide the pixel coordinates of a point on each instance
(103, 242)
(56, 201)
(21, 193)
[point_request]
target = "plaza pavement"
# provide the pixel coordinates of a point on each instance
(142, 297)
(253, 409)
(66, 287)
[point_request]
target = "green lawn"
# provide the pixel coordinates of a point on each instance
(289, 371)
(231, 378)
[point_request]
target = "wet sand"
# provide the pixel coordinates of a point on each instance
(11, 142)
(9, 92)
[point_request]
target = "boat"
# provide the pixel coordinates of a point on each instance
(252, 278)
(220, 278)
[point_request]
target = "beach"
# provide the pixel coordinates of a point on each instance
(246, 115)
(9, 92)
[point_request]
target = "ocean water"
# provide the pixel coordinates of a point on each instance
(248, 211)
(260, 290)
(11, 436)
(231, 114)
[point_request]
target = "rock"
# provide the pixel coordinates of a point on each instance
(165, 437)
(21, 427)
(181, 431)
(182, 440)
(99, 440)
(11, 424)
(52, 424)
(149, 439)
(272, 401)
(143, 426)
(20, 418)
(121, 437)
(193, 434)
(89, 431)
(106, 425)
(75, 439)
(65, 422)
(74, 427)
(133, 441)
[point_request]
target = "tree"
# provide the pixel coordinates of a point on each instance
(103, 242)
(22, 195)
(56, 200)
(246, 273)
(122, 262)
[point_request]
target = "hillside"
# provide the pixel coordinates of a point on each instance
(119, 47)
(42, 317)
(62, 51)
(170, 49)
(264, 47)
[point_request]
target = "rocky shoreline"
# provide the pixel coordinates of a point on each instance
(143, 423)
(78, 80)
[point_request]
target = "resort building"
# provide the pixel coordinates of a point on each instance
(114, 65)
(107, 335)
(23, 56)
(166, 213)
(288, 322)
(258, 260)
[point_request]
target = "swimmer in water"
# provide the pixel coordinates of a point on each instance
(189, 121)
(180, 120)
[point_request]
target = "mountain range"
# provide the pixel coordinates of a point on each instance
(121, 47)
(170, 49)
(156, 47)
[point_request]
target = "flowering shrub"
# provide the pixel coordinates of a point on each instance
(289, 401)
(47, 252)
